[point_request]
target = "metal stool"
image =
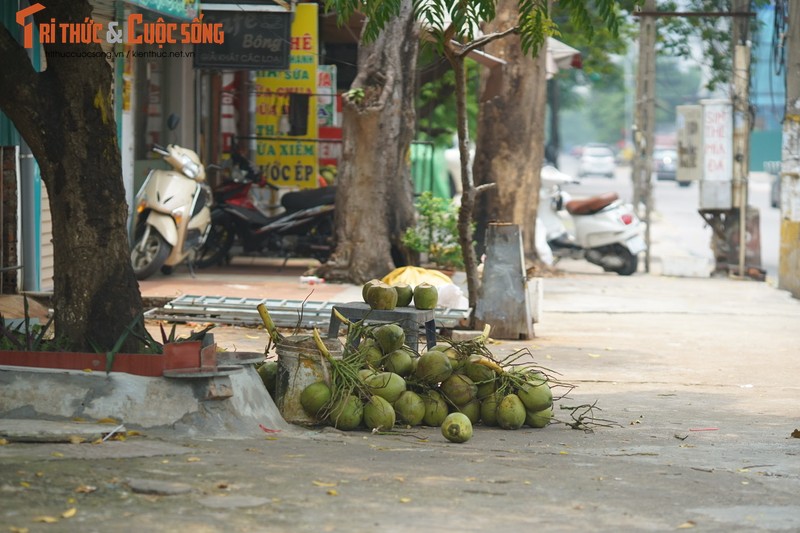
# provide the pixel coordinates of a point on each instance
(409, 318)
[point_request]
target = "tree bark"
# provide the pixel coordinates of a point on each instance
(66, 116)
(374, 199)
(510, 145)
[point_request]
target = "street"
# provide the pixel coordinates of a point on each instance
(680, 225)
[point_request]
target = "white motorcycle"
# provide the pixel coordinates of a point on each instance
(605, 231)
(172, 216)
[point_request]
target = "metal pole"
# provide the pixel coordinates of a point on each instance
(741, 137)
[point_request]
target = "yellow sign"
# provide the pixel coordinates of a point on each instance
(286, 110)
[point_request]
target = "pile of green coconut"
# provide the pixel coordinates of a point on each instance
(380, 383)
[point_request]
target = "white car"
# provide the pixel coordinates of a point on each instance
(597, 159)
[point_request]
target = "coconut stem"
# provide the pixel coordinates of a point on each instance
(269, 324)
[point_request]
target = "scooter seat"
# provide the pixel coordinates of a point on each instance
(588, 206)
(297, 200)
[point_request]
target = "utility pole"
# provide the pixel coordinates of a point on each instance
(789, 262)
(644, 122)
(741, 121)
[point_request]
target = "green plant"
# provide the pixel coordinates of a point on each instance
(436, 231)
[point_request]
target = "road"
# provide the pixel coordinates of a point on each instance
(679, 233)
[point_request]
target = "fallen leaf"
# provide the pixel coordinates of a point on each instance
(192, 459)
(69, 513)
(405, 500)
(3, 442)
(71, 501)
(39, 474)
(133, 433)
(593, 355)
(25, 484)
(13, 529)
(75, 439)
(107, 420)
(252, 336)
(88, 370)
(323, 483)
(562, 452)
(46, 519)
(85, 489)
(686, 525)
(57, 454)
(332, 492)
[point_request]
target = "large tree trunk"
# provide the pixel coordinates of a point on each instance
(374, 199)
(66, 116)
(510, 145)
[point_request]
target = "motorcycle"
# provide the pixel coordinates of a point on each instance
(607, 231)
(303, 228)
(172, 216)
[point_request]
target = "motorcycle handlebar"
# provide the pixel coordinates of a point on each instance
(157, 148)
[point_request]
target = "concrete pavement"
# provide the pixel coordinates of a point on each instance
(695, 395)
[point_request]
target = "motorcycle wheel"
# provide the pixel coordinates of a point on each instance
(630, 262)
(154, 251)
(218, 243)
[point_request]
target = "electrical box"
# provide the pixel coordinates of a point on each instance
(690, 143)
(717, 155)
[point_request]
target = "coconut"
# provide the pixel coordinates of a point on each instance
(366, 288)
(459, 389)
(269, 376)
(435, 408)
(426, 296)
(390, 337)
(364, 373)
(478, 373)
(510, 412)
(346, 414)
(404, 294)
(433, 367)
(387, 385)
(399, 362)
(539, 419)
(314, 398)
(535, 395)
(457, 427)
(381, 296)
(489, 409)
(379, 414)
(373, 356)
(472, 410)
(410, 408)
(486, 389)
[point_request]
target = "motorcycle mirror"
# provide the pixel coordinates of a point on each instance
(172, 121)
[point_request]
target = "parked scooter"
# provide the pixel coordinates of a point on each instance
(172, 217)
(607, 231)
(304, 227)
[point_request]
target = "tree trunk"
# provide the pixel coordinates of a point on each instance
(66, 116)
(510, 146)
(374, 199)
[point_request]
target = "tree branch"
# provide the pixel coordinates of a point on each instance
(18, 82)
(486, 39)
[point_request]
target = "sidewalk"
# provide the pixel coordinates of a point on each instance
(695, 386)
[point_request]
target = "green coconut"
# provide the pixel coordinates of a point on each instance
(459, 389)
(435, 408)
(433, 367)
(390, 337)
(510, 412)
(535, 395)
(381, 296)
(478, 373)
(379, 414)
(400, 362)
(387, 385)
(489, 409)
(457, 428)
(364, 373)
(539, 419)
(426, 296)
(347, 413)
(410, 408)
(456, 361)
(269, 376)
(314, 398)
(472, 410)
(486, 389)
(404, 294)
(366, 288)
(373, 356)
